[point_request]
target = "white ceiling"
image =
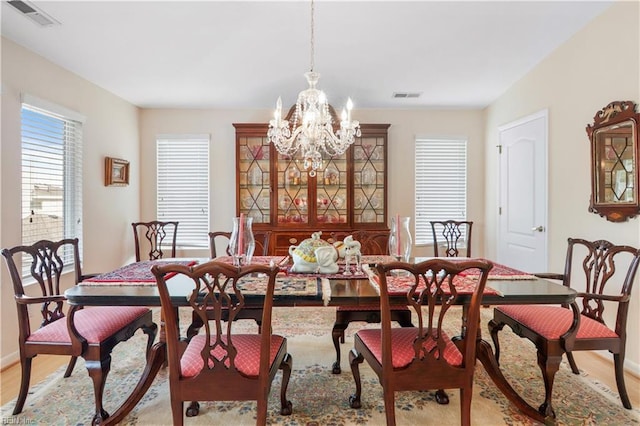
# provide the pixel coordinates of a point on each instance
(240, 54)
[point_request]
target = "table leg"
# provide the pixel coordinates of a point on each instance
(484, 354)
(154, 363)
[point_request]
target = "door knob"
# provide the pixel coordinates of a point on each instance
(538, 228)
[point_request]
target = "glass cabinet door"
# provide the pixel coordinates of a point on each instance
(331, 191)
(253, 168)
(292, 192)
(312, 200)
(369, 180)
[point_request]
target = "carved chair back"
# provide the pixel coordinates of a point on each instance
(431, 293)
(456, 236)
(596, 268)
(154, 235)
(47, 259)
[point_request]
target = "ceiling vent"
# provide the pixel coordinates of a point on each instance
(406, 95)
(33, 13)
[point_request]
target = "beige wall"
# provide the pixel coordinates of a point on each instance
(405, 126)
(111, 129)
(598, 65)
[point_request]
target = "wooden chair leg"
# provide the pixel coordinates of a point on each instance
(355, 359)
(151, 331)
(572, 363)
(192, 410)
(465, 406)
(286, 408)
(389, 407)
(336, 334)
(549, 366)
(262, 410)
(25, 378)
(176, 412)
(494, 328)
(70, 367)
(618, 361)
(98, 371)
(441, 397)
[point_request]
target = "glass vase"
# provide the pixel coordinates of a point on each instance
(400, 241)
(241, 243)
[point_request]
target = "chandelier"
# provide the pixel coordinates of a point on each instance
(311, 128)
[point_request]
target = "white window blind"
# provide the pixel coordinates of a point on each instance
(51, 176)
(183, 186)
(440, 183)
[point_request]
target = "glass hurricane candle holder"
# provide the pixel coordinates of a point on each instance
(400, 241)
(241, 243)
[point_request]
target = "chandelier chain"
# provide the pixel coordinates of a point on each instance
(312, 35)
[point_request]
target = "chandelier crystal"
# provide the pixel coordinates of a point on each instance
(311, 128)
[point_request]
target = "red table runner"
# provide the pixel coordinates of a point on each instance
(501, 272)
(138, 273)
(399, 284)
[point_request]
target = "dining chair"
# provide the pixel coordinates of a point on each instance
(261, 239)
(153, 235)
(262, 247)
(453, 236)
(372, 243)
(220, 364)
(94, 332)
(423, 357)
(558, 330)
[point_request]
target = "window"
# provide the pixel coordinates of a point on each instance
(51, 174)
(441, 184)
(183, 186)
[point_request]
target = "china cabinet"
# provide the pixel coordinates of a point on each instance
(348, 194)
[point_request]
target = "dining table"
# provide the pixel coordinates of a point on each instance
(134, 285)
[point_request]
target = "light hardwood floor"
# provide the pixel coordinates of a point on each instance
(43, 365)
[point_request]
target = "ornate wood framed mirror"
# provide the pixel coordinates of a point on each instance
(614, 161)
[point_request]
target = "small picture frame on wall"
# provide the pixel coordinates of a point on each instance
(116, 172)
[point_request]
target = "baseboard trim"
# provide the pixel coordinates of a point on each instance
(630, 367)
(9, 361)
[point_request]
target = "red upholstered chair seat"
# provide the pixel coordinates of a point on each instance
(94, 324)
(551, 322)
(247, 360)
(402, 346)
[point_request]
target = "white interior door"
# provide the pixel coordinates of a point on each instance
(522, 224)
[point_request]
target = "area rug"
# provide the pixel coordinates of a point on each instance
(321, 398)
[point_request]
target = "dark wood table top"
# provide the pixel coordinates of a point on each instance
(343, 292)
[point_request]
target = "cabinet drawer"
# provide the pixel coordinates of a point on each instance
(289, 239)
